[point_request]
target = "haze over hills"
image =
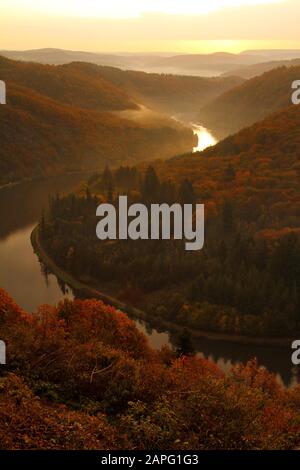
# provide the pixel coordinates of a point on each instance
(81, 116)
(167, 93)
(42, 136)
(85, 116)
(57, 120)
(203, 64)
(183, 64)
(250, 102)
(54, 56)
(275, 137)
(265, 158)
(110, 89)
(257, 169)
(251, 71)
(274, 54)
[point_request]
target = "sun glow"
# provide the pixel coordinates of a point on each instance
(124, 8)
(172, 26)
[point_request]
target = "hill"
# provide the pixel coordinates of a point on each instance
(246, 279)
(214, 58)
(264, 162)
(204, 65)
(186, 64)
(52, 56)
(214, 63)
(166, 93)
(105, 88)
(257, 168)
(251, 71)
(250, 102)
(273, 54)
(66, 86)
(42, 136)
(63, 119)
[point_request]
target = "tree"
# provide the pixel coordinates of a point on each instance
(108, 183)
(227, 214)
(229, 173)
(186, 193)
(184, 343)
(150, 186)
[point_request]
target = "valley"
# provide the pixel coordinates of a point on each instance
(149, 231)
(140, 102)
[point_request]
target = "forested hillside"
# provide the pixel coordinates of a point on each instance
(66, 86)
(250, 102)
(246, 279)
(81, 376)
(41, 136)
(58, 120)
(107, 88)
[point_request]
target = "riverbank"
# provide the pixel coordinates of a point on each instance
(82, 289)
(13, 184)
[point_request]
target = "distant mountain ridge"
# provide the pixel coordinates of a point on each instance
(180, 64)
(275, 54)
(251, 71)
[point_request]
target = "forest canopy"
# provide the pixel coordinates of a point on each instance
(246, 280)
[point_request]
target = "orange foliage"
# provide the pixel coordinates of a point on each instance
(250, 102)
(88, 356)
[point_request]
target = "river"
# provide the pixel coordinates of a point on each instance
(205, 138)
(204, 135)
(27, 281)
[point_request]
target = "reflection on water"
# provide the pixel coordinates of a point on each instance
(156, 339)
(226, 354)
(20, 273)
(205, 138)
(30, 284)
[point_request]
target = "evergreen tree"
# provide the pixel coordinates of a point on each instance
(186, 193)
(107, 178)
(227, 215)
(151, 186)
(184, 343)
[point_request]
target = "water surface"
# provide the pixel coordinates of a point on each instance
(205, 138)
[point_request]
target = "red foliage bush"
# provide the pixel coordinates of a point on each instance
(74, 369)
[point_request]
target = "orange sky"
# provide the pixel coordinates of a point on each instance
(131, 25)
